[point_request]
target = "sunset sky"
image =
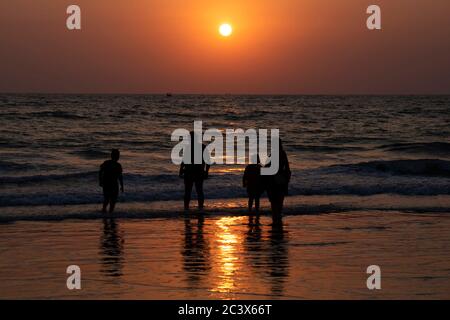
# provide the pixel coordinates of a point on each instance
(278, 46)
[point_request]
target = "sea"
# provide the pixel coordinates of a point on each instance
(338, 147)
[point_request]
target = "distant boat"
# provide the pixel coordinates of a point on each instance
(168, 94)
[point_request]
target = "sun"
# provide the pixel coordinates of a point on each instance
(225, 30)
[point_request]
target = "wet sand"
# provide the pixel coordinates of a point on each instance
(229, 257)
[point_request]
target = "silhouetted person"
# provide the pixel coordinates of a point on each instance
(110, 175)
(277, 185)
(253, 182)
(194, 174)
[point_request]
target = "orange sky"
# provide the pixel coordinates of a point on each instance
(278, 46)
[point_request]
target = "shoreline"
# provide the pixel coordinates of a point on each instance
(294, 206)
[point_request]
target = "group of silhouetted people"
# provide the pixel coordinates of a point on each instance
(276, 186)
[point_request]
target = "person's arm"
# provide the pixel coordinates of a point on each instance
(121, 179)
(245, 178)
(207, 160)
(121, 182)
(100, 176)
(288, 169)
(244, 182)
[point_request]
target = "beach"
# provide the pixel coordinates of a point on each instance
(220, 256)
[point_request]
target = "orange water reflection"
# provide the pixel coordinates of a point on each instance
(227, 257)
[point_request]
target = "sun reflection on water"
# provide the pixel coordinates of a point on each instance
(227, 257)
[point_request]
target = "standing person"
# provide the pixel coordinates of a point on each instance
(110, 175)
(252, 181)
(277, 185)
(194, 174)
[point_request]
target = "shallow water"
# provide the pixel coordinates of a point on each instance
(320, 256)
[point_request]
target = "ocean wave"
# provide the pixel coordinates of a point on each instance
(12, 167)
(57, 114)
(323, 148)
(91, 154)
(421, 167)
(434, 148)
(401, 177)
(6, 166)
(171, 210)
(85, 177)
(169, 187)
(47, 178)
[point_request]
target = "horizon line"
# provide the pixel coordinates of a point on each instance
(223, 94)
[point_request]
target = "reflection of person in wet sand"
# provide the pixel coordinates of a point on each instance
(196, 260)
(194, 174)
(254, 234)
(110, 175)
(253, 241)
(112, 248)
(268, 253)
(278, 258)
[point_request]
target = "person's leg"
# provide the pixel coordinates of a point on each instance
(113, 199)
(277, 219)
(250, 203)
(270, 195)
(281, 203)
(105, 200)
(276, 204)
(257, 205)
(188, 183)
(200, 195)
(257, 220)
(112, 205)
(105, 203)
